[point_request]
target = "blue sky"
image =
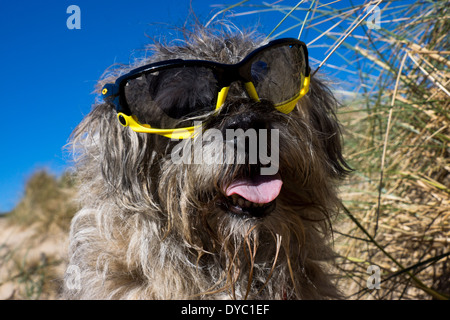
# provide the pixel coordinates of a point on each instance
(49, 72)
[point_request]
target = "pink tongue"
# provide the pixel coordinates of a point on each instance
(262, 189)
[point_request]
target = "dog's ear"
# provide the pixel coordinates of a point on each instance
(97, 143)
(322, 106)
(116, 158)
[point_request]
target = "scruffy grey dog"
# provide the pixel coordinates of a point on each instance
(149, 228)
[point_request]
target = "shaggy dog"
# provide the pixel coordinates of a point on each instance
(154, 228)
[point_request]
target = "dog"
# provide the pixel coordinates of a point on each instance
(249, 220)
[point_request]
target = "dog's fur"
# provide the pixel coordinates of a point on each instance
(150, 229)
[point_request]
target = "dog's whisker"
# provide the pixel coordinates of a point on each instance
(277, 251)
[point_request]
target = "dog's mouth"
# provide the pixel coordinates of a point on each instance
(253, 196)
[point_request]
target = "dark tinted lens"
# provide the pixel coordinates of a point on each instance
(172, 98)
(278, 73)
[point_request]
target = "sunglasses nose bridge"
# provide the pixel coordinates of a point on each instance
(236, 73)
(249, 87)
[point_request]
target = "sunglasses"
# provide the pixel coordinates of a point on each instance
(170, 97)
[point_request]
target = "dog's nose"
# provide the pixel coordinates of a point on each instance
(245, 122)
(247, 114)
(248, 130)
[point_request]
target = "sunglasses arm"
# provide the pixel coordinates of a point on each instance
(136, 126)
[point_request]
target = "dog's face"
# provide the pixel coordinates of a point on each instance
(250, 191)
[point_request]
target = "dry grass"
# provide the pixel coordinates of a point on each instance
(398, 141)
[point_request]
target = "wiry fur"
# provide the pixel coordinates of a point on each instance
(150, 229)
